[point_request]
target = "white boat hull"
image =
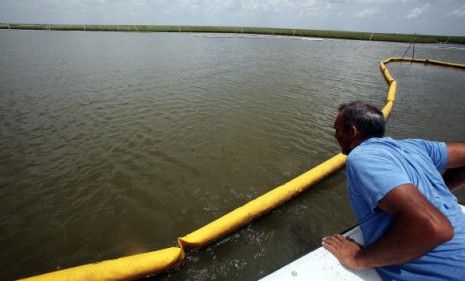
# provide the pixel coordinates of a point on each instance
(321, 265)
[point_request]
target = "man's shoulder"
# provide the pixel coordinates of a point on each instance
(371, 148)
(384, 144)
(386, 148)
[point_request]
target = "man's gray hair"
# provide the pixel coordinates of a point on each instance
(368, 119)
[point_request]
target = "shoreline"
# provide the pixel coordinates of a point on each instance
(351, 35)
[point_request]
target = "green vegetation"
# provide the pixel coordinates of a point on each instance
(393, 37)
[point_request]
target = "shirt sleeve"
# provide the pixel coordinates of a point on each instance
(437, 151)
(372, 175)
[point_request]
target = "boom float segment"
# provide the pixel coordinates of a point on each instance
(137, 266)
(261, 205)
(387, 109)
(126, 268)
(388, 76)
(391, 96)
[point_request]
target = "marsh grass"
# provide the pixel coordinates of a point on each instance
(392, 37)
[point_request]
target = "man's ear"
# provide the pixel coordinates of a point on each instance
(356, 136)
(354, 132)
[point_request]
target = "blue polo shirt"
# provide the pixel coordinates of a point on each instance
(379, 165)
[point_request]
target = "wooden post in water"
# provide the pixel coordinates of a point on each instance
(413, 51)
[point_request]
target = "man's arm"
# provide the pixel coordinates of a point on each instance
(455, 155)
(454, 177)
(418, 227)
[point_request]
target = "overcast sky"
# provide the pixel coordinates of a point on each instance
(445, 17)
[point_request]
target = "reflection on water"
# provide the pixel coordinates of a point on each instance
(117, 143)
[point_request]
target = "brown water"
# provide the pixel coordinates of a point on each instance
(117, 143)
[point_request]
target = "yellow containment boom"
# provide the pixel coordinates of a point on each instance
(263, 204)
(126, 268)
(138, 266)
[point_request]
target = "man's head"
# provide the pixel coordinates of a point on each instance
(357, 122)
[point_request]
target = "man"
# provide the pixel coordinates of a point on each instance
(412, 224)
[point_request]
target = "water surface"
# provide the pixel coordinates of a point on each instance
(117, 143)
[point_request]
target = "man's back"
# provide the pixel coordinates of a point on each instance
(379, 165)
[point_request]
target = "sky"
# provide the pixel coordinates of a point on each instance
(439, 17)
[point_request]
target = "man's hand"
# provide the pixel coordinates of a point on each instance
(344, 249)
(417, 228)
